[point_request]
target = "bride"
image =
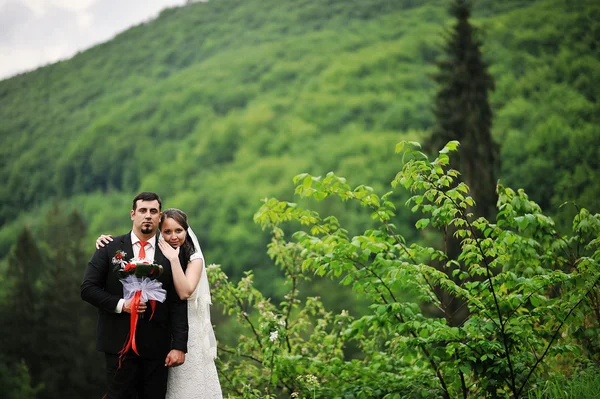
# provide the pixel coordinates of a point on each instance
(197, 377)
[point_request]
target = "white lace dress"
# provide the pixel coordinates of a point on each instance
(197, 377)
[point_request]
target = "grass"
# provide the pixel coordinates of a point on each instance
(584, 384)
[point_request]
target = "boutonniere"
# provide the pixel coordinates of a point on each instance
(118, 258)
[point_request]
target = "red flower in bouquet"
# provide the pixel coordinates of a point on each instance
(128, 267)
(137, 267)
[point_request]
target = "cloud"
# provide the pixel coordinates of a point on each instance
(37, 32)
(74, 5)
(41, 7)
(12, 15)
(28, 59)
(85, 20)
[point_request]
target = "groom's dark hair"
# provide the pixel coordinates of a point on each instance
(146, 196)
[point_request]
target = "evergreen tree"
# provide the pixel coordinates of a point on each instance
(71, 366)
(20, 311)
(47, 329)
(462, 110)
(15, 381)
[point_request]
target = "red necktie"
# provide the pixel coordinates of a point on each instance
(142, 254)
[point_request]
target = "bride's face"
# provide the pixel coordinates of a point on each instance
(173, 232)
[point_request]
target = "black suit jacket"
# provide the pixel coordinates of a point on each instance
(101, 287)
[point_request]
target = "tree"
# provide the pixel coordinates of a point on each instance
(47, 330)
(20, 312)
(15, 381)
(69, 361)
(516, 323)
(463, 113)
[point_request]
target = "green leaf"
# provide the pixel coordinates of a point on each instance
(452, 145)
(422, 223)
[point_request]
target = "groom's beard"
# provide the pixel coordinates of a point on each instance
(146, 230)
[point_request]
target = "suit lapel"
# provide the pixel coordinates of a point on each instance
(160, 258)
(127, 246)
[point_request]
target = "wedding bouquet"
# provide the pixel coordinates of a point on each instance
(139, 279)
(135, 267)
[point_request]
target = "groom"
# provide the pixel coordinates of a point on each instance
(161, 340)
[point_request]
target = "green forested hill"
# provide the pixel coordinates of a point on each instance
(217, 105)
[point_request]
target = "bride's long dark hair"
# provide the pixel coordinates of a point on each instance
(187, 249)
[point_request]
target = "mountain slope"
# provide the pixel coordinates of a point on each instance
(217, 105)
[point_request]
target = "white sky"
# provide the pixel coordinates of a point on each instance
(39, 32)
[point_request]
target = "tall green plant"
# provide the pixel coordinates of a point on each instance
(462, 112)
(462, 109)
(524, 286)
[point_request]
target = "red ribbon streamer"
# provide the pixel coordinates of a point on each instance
(135, 303)
(153, 306)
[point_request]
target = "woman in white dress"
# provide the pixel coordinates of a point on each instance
(197, 377)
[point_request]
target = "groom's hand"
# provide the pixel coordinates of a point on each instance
(127, 306)
(175, 358)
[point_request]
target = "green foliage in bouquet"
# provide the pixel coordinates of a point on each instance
(152, 271)
(530, 293)
(135, 267)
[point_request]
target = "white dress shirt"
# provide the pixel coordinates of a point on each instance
(150, 247)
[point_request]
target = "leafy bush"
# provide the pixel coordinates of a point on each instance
(527, 290)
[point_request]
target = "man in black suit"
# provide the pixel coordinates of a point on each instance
(161, 340)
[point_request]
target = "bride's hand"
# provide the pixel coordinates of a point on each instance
(167, 250)
(103, 240)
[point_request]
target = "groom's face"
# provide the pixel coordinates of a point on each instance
(145, 217)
